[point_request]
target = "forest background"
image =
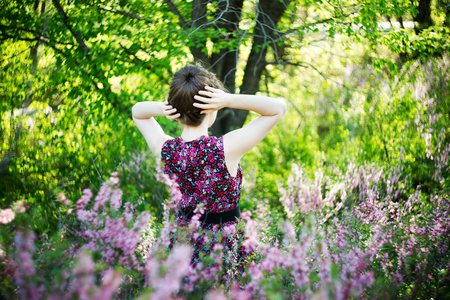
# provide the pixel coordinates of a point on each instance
(366, 85)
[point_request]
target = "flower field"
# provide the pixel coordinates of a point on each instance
(361, 234)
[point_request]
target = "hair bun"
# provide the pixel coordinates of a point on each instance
(189, 75)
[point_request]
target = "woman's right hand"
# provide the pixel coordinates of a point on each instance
(170, 112)
(212, 99)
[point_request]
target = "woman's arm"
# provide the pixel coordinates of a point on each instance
(265, 106)
(143, 113)
(240, 141)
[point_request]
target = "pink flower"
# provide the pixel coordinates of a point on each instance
(102, 196)
(229, 230)
(25, 244)
(128, 212)
(398, 277)
(84, 200)
(216, 295)
(110, 283)
(289, 229)
(218, 247)
(142, 220)
(86, 216)
(85, 264)
(116, 199)
(6, 215)
(84, 275)
(176, 266)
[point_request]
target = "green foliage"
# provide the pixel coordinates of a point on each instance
(66, 115)
(408, 115)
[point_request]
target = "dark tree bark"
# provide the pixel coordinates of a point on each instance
(445, 7)
(223, 62)
(198, 23)
(269, 14)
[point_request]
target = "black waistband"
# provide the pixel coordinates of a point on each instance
(213, 218)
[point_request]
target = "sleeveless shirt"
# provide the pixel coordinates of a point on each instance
(199, 169)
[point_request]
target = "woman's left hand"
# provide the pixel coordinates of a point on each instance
(170, 112)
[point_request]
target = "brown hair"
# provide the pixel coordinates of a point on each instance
(185, 85)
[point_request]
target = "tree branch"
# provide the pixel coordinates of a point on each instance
(130, 15)
(173, 8)
(75, 33)
(135, 56)
(16, 54)
(269, 14)
(306, 65)
(198, 17)
(7, 37)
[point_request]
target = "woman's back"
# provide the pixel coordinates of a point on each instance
(199, 169)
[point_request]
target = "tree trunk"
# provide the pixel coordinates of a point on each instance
(269, 14)
(446, 7)
(198, 17)
(224, 62)
(423, 17)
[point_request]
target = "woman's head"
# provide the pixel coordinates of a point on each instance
(185, 85)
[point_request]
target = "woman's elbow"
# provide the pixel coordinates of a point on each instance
(135, 111)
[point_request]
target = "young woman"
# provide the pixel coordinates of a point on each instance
(206, 168)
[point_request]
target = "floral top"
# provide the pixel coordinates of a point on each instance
(199, 168)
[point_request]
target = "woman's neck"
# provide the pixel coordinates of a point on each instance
(191, 133)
